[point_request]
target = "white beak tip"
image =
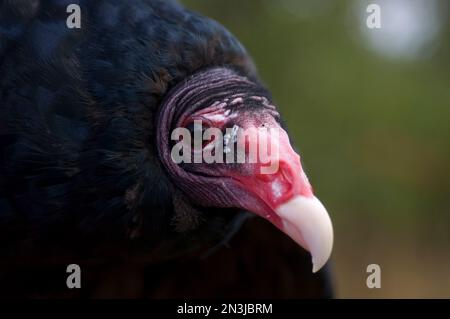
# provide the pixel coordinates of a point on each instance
(306, 221)
(315, 268)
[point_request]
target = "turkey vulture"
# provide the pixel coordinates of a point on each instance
(87, 176)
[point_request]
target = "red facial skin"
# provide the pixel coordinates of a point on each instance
(269, 191)
(275, 189)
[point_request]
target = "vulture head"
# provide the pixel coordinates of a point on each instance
(233, 152)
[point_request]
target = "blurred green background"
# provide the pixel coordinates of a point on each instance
(369, 110)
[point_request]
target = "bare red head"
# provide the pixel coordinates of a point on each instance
(254, 166)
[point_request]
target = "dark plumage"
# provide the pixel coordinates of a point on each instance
(80, 176)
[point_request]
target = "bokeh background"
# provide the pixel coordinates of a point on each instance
(369, 110)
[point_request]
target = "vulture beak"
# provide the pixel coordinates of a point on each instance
(307, 222)
(289, 200)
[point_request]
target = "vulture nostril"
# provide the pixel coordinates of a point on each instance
(282, 175)
(286, 170)
(266, 177)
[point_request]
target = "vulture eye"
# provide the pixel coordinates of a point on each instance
(193, 129)
(197, 132)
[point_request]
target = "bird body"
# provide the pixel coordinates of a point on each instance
(82, 177)
(77, 115)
